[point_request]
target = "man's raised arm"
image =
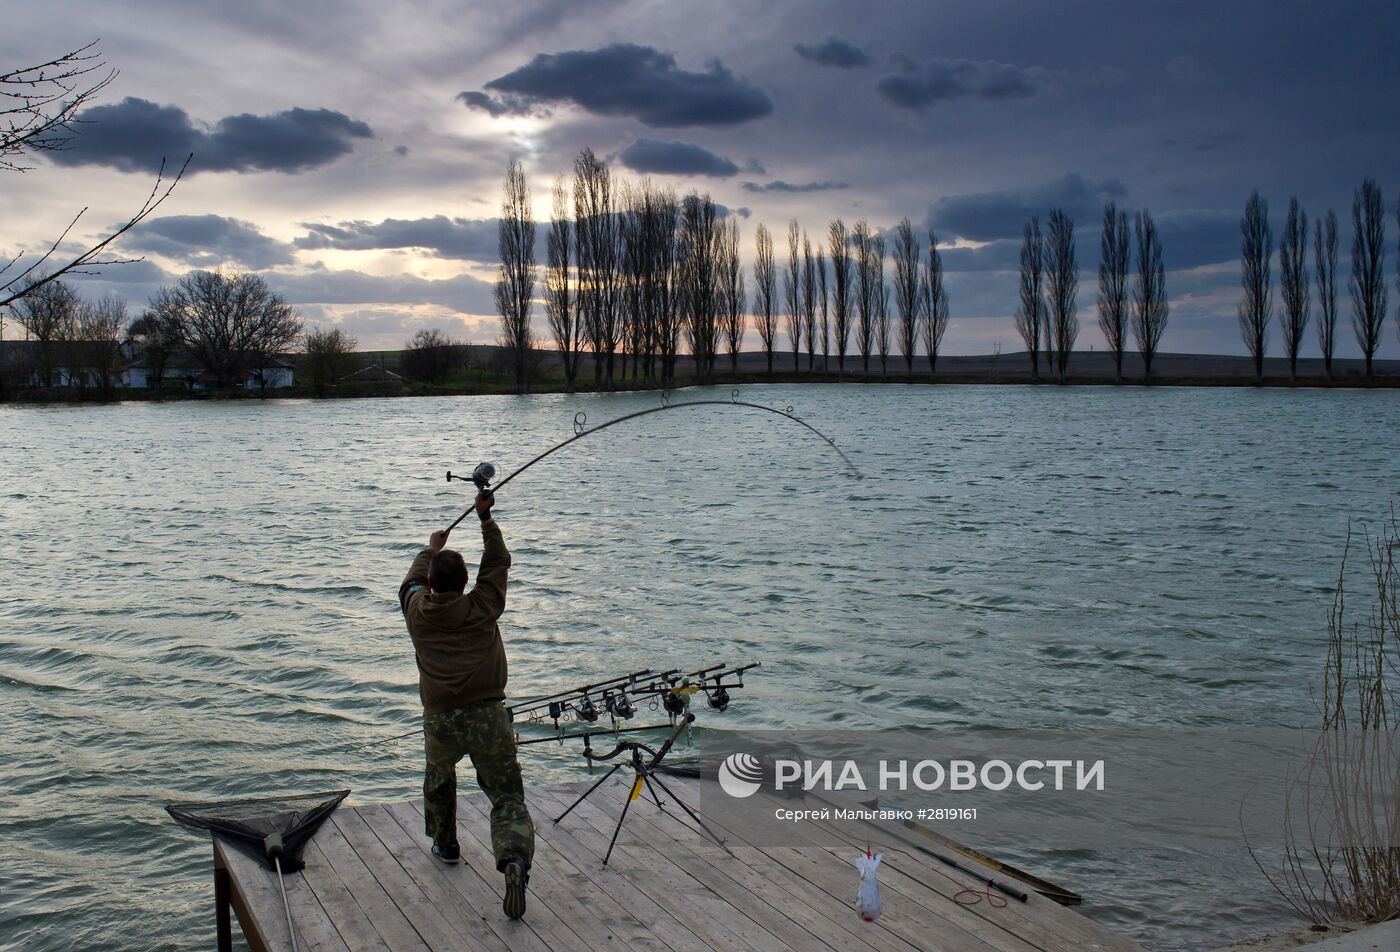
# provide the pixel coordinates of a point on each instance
(490, 589)
(416, 580)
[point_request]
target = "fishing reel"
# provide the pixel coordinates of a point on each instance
(481, 476)
(619, 706)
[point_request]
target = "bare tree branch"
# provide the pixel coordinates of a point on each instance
(935, 304)
(1325, 259)
(1149, 292)
(515, 287)
(1367, 284)
(1256, 251)
(1113, 284)
(765, 287)
(839, 244)
(1294, 284)
(1030, 314)
(1063, 285)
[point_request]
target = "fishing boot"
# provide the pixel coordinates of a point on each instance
(517, 878)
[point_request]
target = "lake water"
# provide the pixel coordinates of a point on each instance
(197, 600)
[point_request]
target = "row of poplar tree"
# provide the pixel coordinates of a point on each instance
(631, 271)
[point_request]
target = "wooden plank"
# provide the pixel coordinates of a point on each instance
(472, 887)
(902, 927)
(757, 885)
(349, 919)
(597, 918)
(371, 884)
(547, 926)
(760, 898)
(383, 913)
(661, 923)
(769, 870)
(420, 911)
(670, 885)
(1039, 918)
(257, 902)
(835, 874)
(433, 878)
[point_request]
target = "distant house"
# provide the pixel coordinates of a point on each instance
(373, 373)
(182, 369)
(77, 364)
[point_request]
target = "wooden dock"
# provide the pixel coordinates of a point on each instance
(371, 883)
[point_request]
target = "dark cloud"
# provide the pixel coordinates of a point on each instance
(625, 79)
(833, 52)
(675, 158)
(987, 216)
(1192, 238)
(206, 241)
(778, 185)
(496, 107)
(919, 86)
(464, 238)
(135, 134)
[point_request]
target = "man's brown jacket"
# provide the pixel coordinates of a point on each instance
(456, 640)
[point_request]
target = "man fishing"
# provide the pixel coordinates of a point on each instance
(462, 682)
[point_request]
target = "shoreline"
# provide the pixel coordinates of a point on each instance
(1386, 381)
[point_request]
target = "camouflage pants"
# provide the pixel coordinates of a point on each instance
(481, 732)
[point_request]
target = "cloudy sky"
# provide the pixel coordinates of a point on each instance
(353, 151)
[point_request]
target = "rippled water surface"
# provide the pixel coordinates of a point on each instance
(197, 599)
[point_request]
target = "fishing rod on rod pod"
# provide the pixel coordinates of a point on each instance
(482, 475)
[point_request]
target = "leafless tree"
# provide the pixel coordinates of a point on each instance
(907, 300)
(232, 322)
(432, 356)
(598, 248)
(792, 293)
(1325, 260)
(731, 287)
(154, 336)
(47, 316)
(1030, 316)
(1062, 273)
(699, 269)
(765, 290)
(279, 332)
(1149, 292)
(809, 301)
(865, 292)
(97, 340)
(1256, 252)
(1113, 284)
(1367, 284)
(665, 279)
(634, 259)
(880, 291)
(821, 299)
(936, 313)
(560, 294)
(1294, 284)
(330, 355)
(515, 284)
(839, 245)
(39, 106)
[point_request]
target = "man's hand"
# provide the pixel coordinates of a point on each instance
(437, 540)
(484, 501)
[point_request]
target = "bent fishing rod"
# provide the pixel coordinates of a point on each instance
(485, 472)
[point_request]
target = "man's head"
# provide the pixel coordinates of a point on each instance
(447, 572)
